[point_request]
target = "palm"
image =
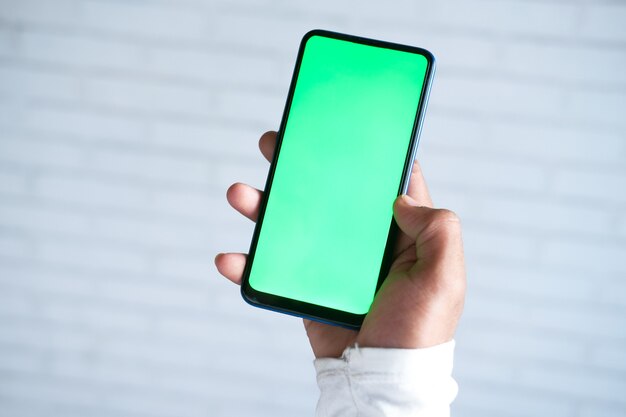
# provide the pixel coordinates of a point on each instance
(327, 340)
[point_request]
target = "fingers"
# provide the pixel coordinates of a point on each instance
(267, 144)
(231, 265)
(418, 190)
(245, 199)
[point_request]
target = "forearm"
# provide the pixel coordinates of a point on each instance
(387, 382)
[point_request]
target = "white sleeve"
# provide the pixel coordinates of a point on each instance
(368, 382)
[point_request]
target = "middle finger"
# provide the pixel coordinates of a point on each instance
(245, 199)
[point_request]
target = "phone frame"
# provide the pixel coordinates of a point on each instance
(300, 308)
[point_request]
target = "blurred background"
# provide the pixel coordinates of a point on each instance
(122, 123)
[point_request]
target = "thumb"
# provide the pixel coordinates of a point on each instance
(410, 216)
(438, 227)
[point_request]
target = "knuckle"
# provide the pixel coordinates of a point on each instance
(446, 220)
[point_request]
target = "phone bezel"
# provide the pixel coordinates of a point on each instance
(300, 308)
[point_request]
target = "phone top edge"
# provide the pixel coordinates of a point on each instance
(430, 57)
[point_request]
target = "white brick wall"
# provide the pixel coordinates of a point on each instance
(123, 122)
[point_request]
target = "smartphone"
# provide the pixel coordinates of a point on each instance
(345, 147)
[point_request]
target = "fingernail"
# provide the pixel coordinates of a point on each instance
(409, 201)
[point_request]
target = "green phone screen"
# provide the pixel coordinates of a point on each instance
(340, 166)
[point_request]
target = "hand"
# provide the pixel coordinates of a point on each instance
(420, 301)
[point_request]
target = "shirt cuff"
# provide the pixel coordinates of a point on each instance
(432, 360)
(380, 381)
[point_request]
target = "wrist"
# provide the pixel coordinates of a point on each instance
(404, 334)
(400, 341)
